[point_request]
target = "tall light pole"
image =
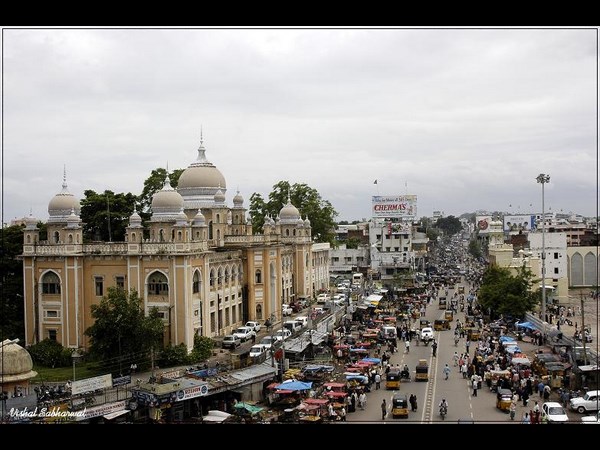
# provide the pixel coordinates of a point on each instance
(543, 179)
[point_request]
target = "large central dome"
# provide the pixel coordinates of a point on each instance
(199, 183)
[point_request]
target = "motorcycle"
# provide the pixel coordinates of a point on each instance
(443, 412)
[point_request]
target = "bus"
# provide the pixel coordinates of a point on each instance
(357, 278)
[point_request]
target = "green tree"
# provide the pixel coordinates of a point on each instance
(203, 347)
(503, 293)
(320, 212)
(174, 355)
(121, 330)
(449, 225)
(475, 248)
(50, 353)
(155, 183)
(98, 209)
(12, 306)
(352, 243)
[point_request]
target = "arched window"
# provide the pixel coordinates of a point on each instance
(70, 239)
(179, 236)
(133, 237)
(576, 270)
(212, 278)
(218, 235)
(220, 276)
(218, 218)
(161, 235)
(50, 283)
(258, 276)
(210, 230)
(590, 273)
(28, 239)
(56, 237)
(158, 284)
(172, 235)
(287, 231)
(258, 312)
(294, 232)
(233, 274)
(196, 282)
(226, 275)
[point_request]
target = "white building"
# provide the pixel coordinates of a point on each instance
(556, 259)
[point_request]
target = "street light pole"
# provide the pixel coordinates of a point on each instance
(543, 179)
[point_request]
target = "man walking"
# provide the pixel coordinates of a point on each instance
(383, 409)
(446, 370)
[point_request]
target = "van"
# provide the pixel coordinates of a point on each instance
(302, 320)
(292, 325)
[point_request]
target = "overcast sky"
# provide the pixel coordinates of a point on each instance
(463, 118)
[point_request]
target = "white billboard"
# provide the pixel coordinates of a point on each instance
(482, 224)
(400, 206)
(520, 222)
(91, 384)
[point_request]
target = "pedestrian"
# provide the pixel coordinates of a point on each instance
(407, 345)
(342, 414)
(434, 347)
(513, 409)
(377, 381)
(547, 391)
(525, 397)
(362, 401)
(540, 388)
(383, 409)
(413, 402)
(474, 384)
(456, 358)
(525, 418)
(446, 370)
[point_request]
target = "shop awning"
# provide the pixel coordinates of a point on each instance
(112, 415)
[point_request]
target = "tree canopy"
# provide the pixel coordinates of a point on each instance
(12, 307)
(98, 209)
(320, 212)
(449, 225)
(121, 330)
(503, 293)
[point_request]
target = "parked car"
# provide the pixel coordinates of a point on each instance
(257, 350)
(268, 341)
(287, 310)
(230, 341)
(283, 334)
(254, 325)
(303, 320)
(244, 333)
(591, 419)
(589, 402)
(554, 412)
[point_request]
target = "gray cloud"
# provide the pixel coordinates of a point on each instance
(465, 119)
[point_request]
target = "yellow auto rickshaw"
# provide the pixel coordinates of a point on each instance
(424, 323)
(504, 399)
(422, 371)
(472, 334)
(441, 324)
(399, 405)
(392, 380)
(449, 315)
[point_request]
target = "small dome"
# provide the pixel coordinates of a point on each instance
(182, 218)
(306, 222)
(73, 220)
(199, 220)
(167, 199)
(300, 222)
(135, 220)
(61, 204)
(219, 197)
(30, 222)
(289, 213)
(238, 200)
(15, 362)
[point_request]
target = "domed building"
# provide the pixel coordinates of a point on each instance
(197, 260)
(15, 368)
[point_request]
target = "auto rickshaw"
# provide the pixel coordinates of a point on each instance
(424, 323)
(449, 315)
(441, 324)
(472, 334)
(392, 380)
(422, 371)
(399, 405)
(504, 399)
(442, 303)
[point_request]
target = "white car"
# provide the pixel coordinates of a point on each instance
(589, 402)
(254, 325)
(257, 350)
(268, 341)
(591, 419)
(426, 333)
(282, 334)
(287, 310)
(554, 412)
(244, 333)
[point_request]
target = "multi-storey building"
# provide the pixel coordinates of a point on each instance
(197, 261)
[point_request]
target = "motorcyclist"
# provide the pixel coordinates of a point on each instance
(405, 372)
(443, 407)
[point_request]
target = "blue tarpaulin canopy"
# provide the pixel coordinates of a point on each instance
(372, 360)
(512, 349)
(506, 339)
(526, 325)
(295, 385)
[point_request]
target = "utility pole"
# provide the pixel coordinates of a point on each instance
(583, 329)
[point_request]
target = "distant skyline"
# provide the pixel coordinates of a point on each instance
(465, 119)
